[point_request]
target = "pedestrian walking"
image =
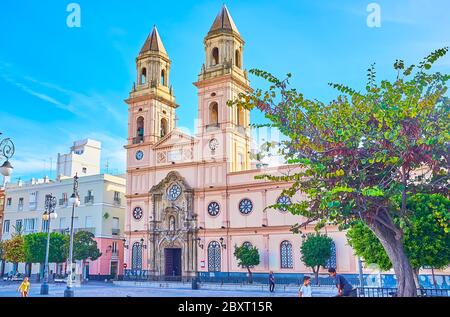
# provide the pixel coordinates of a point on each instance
(24, 287)
(271, 282)
(305, 290)
(345, 289)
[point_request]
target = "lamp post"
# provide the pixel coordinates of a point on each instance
(75, 201)
(49, 213)
(7, 150)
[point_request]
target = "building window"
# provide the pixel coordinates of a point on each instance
(117, 197)
(286, 255)
(62, 223)
(136, 256)
(18, 226)
(214, 256)
(332, 260)
(9, 201)
(214, 114)
(140, 129)
(215, 56)
(44, 225)
(143, 76)
(284, 202)
(238, 58)
(64, 199)
(20, 206)
(114, 248)
(84, 170)
(247, 244)
(213, 209)
(163, 127)
(174, 192)
(6, 226)
(245, 206)
(88, 222)
(33, 200)
(163, 77)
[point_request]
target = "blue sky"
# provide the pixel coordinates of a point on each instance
(59, 84)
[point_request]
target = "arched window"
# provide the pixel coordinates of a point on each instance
(240, 116)
(140, 129)
(214, 256)
(247, 244)
(215, 56)
(143, 76)
(136, 256)
(163, 77)
(332, 260)
(237, 58)
(214, 113)
(163, 127)
(286, 255)
(171, 223)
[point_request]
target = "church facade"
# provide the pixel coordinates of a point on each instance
(192, 198)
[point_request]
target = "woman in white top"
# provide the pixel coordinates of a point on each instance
(305, 290)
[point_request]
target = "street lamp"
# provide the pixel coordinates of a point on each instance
(49, 214)
(7, 150)
(74, 200)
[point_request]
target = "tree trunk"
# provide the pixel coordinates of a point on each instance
(434, 278)
(250, 276)
(406, 286)
(316, 275)
(416, 278)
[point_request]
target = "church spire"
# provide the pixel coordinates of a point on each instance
(223, 22)
(153, 43)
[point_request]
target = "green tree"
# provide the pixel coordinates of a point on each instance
(248, 257)
(84, 247)
(14, 249)
(358, 151)
(2, 257)
(35, 246)
(426, 242)
(316, 250)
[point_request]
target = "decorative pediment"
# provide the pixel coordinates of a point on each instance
(174, 139)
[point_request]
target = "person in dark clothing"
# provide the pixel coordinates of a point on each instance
(345, 289)
(271, 282)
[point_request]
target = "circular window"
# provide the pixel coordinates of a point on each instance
(174, 192)
(137, 213)
(245, 206)
(284, 201)
(139, 155)
(213, 209)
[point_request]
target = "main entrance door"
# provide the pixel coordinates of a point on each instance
(173, 264)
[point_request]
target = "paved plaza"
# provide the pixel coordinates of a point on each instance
(111, 290)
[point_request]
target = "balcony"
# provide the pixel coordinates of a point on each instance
(138, 140)
(115, 232)
(212, 127)
(89, 200)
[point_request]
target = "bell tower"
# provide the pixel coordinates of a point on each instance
(223, 130)
(151, 101)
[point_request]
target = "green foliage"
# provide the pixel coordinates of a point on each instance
(84, 247)
(35, 245)
(14, 249)
(2, 250)
(359, 151)
(426, 237)
(247, 257)
(316, 250)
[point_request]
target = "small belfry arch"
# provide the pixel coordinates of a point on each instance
(143, 76)
(215, 56)
(163, 77)
(164, 127)
(140, 128)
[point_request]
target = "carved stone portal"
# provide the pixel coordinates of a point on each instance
(173, 229)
